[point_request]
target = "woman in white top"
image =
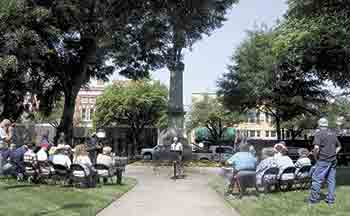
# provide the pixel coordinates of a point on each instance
(81, 157)
(5, 136)
(282, 159)
(105, 158)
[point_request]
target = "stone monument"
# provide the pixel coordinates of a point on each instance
(176, 116)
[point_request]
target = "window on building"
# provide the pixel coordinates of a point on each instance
(91, 114)
(258, 117)
(87, 114)
(267, 117)
(83, 113)
(267, 133)
(251, 117)
(84, 100)
(92, 100)
(252, 133)
(273, 134)
(258, 133)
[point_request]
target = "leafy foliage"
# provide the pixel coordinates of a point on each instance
(210, 113)
(318, 32)
(138, 104)
(258, 79)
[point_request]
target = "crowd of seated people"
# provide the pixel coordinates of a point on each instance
(275, 157)
(15, 160)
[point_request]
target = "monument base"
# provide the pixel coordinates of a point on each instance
(165, 139)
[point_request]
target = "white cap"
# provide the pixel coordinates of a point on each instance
(323, 122)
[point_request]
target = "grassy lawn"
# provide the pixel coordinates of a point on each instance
(34, 200)
(291, 203)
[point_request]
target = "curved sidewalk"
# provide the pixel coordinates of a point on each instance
(158, 195)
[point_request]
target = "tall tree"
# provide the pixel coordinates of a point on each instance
(187, 22)
(257, 79)
(210, 113)
(139, 104)
(73, 39)
(317, 33)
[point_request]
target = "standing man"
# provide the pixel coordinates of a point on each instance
(178, 148)
(326, 146)
(92, 148)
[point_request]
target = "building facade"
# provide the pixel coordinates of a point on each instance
(259, 125)
(85, 106)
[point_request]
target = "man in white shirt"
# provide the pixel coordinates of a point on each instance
(105, 158)
(61, 158)
(178, 148)
(42, 153)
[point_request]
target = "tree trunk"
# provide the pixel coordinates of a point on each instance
(66, 124)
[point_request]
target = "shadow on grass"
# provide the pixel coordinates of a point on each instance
(63, 207)
(343, 177)
(11, 187)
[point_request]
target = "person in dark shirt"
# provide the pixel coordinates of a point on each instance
(92, 148)
(326, 146)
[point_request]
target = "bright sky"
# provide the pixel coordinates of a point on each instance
(210, 56)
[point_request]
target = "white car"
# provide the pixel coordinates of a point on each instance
(148, 153)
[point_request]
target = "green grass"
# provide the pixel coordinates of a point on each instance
(34, 200)
(290, 203)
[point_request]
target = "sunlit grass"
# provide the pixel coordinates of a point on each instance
(30, 200)
(290, 203)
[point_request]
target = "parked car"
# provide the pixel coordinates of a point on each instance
(215, 153)
(148, 153)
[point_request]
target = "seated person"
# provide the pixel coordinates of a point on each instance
(105, 158)
(42, 153)
(61, 157)
(282, 159)
(242, 161)
(303, 160)
(268, 161)
(29, 156)
(81, 157)
(16, 159)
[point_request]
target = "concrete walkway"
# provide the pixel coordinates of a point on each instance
(158, 195)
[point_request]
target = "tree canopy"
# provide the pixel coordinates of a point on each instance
(138, 104)
(60, 45)
(316, 32)
(258, 79)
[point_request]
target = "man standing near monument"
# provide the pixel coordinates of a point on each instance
(326, 146)
(178, 148)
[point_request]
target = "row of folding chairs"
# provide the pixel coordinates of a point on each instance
(46, 171)
(287, 179)
(273, 179)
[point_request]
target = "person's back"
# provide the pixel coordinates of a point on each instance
(29, 156)
(105, 160)
(61, 159)
(283, 161)
(42, 155)
(328, 143)
(301, 162)
(83, 159)
(243, 161)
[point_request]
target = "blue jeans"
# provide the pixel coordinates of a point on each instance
(323, 170)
